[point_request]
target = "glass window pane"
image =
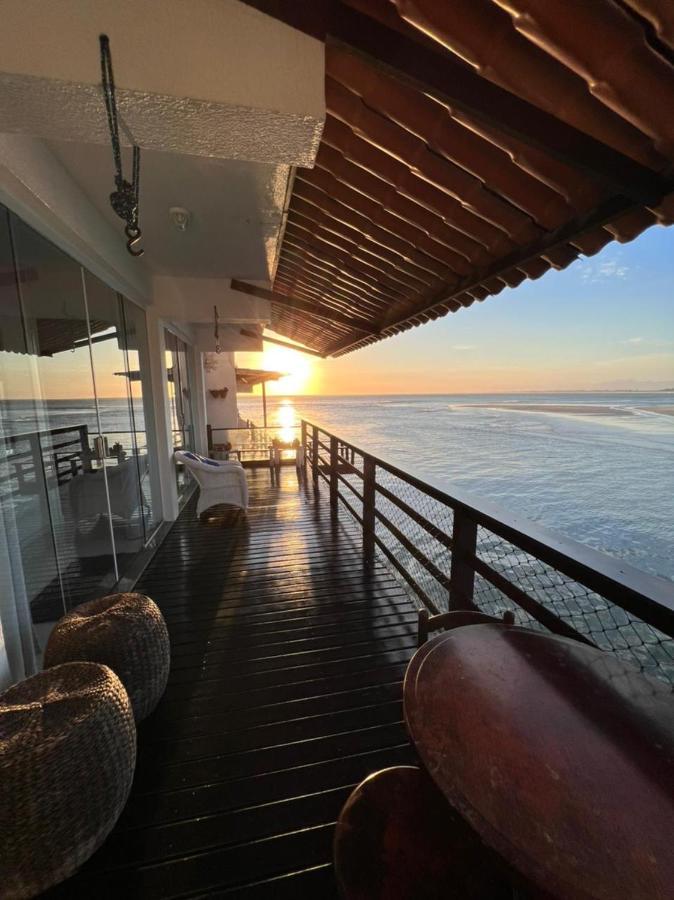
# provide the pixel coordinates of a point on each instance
(60, 410)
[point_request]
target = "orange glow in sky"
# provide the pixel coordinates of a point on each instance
(298, 366)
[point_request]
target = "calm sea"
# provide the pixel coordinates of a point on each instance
(598, 468)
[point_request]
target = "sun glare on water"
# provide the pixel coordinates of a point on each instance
(286, 418)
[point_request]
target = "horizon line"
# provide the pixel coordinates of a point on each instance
(244, 394)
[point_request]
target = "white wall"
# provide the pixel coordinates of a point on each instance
(35, 185)
(221, 412)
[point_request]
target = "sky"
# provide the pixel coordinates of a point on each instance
(605, 323)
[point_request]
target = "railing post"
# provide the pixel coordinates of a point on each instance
(209, 437)
(334, 484)
(303, 442)
(314, 453)
(462, 575)
(369, 481)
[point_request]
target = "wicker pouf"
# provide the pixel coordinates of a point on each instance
(124, 631)
(67, 756)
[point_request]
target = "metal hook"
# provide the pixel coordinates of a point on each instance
(130, 246)
(134, 235)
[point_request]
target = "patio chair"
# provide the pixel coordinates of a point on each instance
(220, 481)
(456, 619)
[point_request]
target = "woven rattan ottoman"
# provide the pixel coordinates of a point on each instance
(67, 756)
(124, 631)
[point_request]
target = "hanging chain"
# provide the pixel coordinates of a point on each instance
(125, 199)
(216, 320)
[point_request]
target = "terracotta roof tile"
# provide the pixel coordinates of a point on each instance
(549, 137)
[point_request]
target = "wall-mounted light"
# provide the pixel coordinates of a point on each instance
(180, 217)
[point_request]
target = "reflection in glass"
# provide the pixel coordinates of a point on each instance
(76, 503)
(119, 464)
(50, 391)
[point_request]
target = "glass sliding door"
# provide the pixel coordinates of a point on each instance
(56, 409)
(117, 456)
(180, 402)
(76, 440)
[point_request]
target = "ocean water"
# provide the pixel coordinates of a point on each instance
(23, 416)
(598, 468)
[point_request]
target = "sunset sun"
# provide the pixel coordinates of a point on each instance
(297, 369)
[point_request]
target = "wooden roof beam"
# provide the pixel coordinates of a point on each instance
(270, 340)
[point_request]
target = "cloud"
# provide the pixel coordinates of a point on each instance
(602, 271)
(464, 347)
(645, 342)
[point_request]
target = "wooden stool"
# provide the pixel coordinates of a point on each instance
(397, 838)
(124, 631)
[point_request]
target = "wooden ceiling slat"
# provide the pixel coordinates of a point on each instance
(457, 220)
(323, 280)
(439, 75)
(297, 305)
(459, 184)
(381, 217)
(395, 285)
(314, 269)
(544, 246)
(318, 218)
(375, 255)
(320, 290)
(433, 123)
(323, 267)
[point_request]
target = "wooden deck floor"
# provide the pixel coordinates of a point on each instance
(285, 691)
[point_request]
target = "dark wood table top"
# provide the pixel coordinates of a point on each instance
(397, 838)
(559, 755)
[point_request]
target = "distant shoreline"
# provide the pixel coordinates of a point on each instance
(575, 409)
(631, 392)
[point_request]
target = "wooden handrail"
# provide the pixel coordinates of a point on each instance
(649, 598)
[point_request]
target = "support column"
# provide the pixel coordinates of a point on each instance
(163, 479)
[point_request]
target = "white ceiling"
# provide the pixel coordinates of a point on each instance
(236, 208)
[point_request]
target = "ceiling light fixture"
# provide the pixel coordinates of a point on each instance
(180, 217)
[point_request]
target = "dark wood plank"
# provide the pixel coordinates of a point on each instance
(288, 656)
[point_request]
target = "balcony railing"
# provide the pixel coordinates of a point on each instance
(61, 453)
(455, 552)
(252, 444)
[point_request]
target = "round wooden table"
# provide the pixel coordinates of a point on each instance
(561, 756)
